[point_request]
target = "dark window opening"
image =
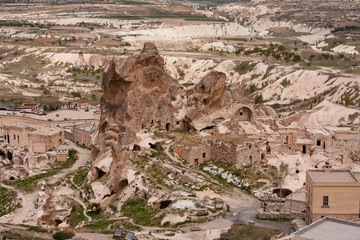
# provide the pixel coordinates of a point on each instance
(204, 155)
(8, 138)
(250, 160)
(167, 127)
(177, 122)
(262, 156)
(240, 113)
(165, 204)
(324, 145)
(304, 149)
(18, 138)
(14, 137)
(297, 171)
(318, 143)
(249, 146)
(153, 146)
(5, 137)
(326, 201)
(12, 178)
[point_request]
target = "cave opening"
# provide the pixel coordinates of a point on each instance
(100, 173)
(9, 156)
(165, 204)
(2, 155)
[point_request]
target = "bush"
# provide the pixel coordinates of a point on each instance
(63, 235)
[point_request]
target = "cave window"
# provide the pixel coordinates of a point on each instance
(18, 138)
(240, 113)
(167, 127)
(324, 146)
(12, 178)
(5, 137)
(249, 146)
(177, 122)
(204, 155)
(14, 137)
(262, 156)
(318, 143)
(297, 171)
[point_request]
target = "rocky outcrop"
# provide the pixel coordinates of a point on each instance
(207, 96)
(137, 94)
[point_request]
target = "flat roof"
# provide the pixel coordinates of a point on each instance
(325, 176)
(59, 115)
(330, 229)
(46, 131)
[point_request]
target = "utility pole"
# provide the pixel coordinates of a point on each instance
(281, 169)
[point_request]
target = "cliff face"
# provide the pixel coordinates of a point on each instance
(137, 94)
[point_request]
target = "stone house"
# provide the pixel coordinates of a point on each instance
(82, 104)
(61, 155)
(30, 108)
(240, 154)
(44, 139)
(17, 135)
(80, 133)
(332, 193)
(194, 155)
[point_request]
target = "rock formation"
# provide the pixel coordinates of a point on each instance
(137, 94)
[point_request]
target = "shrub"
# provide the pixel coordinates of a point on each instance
(64, 235)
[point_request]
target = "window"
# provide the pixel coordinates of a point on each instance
(14, 137)
(240, 113)
(204, 155)
(318, 143)
(325, 201)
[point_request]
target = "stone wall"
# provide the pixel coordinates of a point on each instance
(222, 152)
(194, 155)
(82, 137)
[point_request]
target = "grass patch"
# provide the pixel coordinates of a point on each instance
(137, 209)
(76, 215)
(29, 184)
(80, 176)
(7, 204)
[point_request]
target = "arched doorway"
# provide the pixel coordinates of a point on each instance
(244, 114)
